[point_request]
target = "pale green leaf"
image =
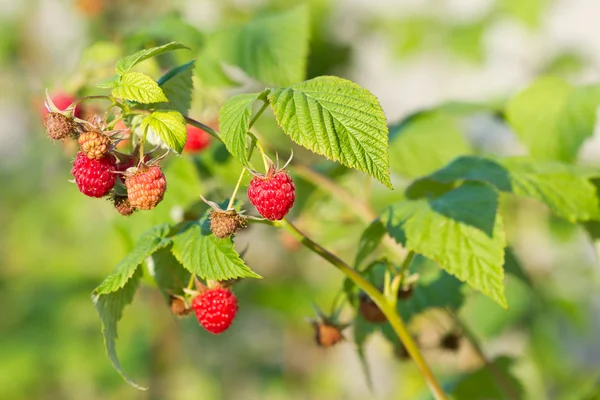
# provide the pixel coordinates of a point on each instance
(110, 309)
(565, 189)
(169, 126)
(152, 240)
(138, 87)
(336, 118)
(553, 118)
(459, 230)
(125, 64)
(483, 384)
(203, 254)
(234, 122)
(369, 241)
(178, 86)
(426, 143)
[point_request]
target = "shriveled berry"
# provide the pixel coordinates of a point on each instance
(326, 334)
(223, 224)
(59, 126)
(369, 310)
(94, 144)
(94, 178)
(123, 206)
(215, 309)
(178, 306)
(146, 187)
(450, 341)
(273, 195)
(197, 140)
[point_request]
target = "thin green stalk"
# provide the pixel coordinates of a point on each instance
(204, 127)
(379, 299)
(237, 187)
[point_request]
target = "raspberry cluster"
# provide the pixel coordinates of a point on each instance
(99, 170)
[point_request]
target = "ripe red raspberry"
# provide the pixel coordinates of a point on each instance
(273, 195)
(94, 178)
(197, 140)
(215, 309)
(146, 187)
(94, 144)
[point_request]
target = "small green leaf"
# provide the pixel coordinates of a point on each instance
(151, 241)
(426, 143)
(459, 230)
(110, 309)
(369, 241)
(138, 87)
(169, 126)
(336, 118)
(177, 84)
(203, 254)
(125, 64)
(109, 83)
(234, 121)
(565, 189)
(553, 118)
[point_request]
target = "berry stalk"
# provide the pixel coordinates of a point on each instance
(379, 299)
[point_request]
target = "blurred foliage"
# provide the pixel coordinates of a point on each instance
(56, 245)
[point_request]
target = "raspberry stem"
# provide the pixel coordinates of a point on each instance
(378, 298)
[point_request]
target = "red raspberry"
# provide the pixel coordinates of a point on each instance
(273, 195)
(146, 187)
(94, 178)
(215, 309)
(197, 140)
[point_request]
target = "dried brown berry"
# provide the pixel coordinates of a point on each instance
(327, 334)
(59, 126)
(146, 187)
(405, 292)
(225, 223)
(123, 206)
(94, 144)
(450, 341)
(369, 310)
(178, 306)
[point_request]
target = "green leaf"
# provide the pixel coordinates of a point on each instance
(529, 12)
(138, 87)
(565, 189)
(271, 48)
(149, 242)
(426, 143)
(203, 254)
(369, 241)
(234, 121)
(109, 83)
(484, 384)
(170, 276)
(177, 84)
(459, 230)
(125, 64)
(169, 126)
(553, 118)
(336, 118)
(110, 309)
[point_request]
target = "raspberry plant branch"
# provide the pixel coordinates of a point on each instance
(388, 309)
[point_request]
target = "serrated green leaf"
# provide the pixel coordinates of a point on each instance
(178, 86)
(426, 143)
(369, 241)
(170, 276)
(149, 242)
(484, 384)
(454, 230)
(110, 309)
(138, 87)
(553, 118)
(234, 122)
(169, 126)
(125, 64)
(565, 189)
(203, 254)
(336, 118)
